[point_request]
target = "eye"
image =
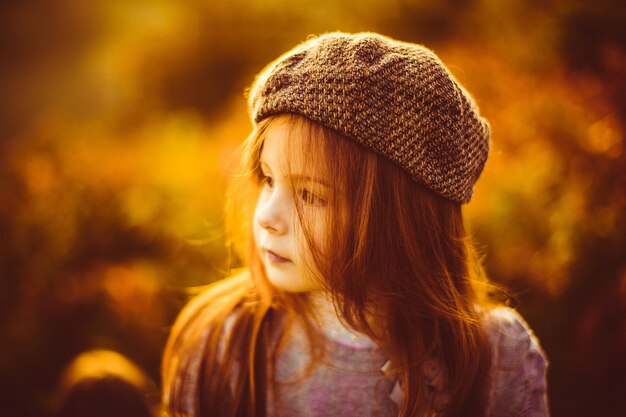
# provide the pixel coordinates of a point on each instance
(266, 180)
(310, 198)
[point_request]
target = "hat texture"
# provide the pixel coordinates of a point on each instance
(395, 98)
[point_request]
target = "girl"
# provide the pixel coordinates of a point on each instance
(360, 295)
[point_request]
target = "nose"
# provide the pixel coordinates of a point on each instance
(272, 213)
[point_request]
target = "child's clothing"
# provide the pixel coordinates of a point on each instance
(351, 381)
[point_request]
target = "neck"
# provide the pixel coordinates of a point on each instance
(331, 324)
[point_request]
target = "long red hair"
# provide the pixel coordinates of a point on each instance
(399, 268)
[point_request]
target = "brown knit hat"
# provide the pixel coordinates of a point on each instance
(395, 98)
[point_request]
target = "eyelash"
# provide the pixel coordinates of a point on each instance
(311, 198)
(307, 196)
(266, 180)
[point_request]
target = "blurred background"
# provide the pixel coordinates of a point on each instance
(118, 122)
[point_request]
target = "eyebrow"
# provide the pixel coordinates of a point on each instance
(307, 178)
(300, 177)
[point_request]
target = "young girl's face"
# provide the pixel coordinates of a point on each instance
(286, 184)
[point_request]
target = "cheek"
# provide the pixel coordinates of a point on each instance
(255, 213)
(260, 204)
(257, 229)
(316, 227)
(320, 237)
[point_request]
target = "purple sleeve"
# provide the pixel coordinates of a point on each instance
(519, 368)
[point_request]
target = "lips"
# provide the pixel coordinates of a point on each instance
(276, 258)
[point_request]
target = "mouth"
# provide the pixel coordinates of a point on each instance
(275, 258)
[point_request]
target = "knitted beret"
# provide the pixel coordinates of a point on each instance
(395, 98)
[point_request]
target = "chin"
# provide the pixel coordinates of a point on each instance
(292, 288)
(292, 285)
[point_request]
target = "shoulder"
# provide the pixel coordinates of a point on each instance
(208, 312)
(511, 337)
(200, 324)
(519, 365)
(221, 295)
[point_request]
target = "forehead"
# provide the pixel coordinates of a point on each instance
(276, 147)
(291, 145)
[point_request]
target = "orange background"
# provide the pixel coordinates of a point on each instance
(118, 121)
